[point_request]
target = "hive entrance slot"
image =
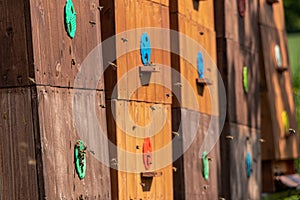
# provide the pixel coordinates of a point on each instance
(145, 73)
(203, 81)
(151, 174)
(149, 69)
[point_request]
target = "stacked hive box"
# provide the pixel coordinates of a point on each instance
(238, 61)
(278, 109)
(195, 104)
(134, 110)
(37, 95)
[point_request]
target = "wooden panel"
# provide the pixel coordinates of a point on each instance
(272, 15)
(188, 46)
(130, 137)
(57, 57)
(280, 96)
(15, 65)
(200, 12)
(235, 184)
(243, 30)
(111, 133)
(19, 176)
(267, 148)
(129, 82)
(190, 183)
(58, 137)
(242, 107)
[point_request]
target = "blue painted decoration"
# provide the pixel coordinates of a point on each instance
(248, 164)
(200, 65)
(145, 49)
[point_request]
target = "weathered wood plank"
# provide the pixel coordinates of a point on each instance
(279, 94)
(19, 177)
(147, 14)
(57, 57)
(15, 65)
(130, 184)
(195, 34)
(243, 30)
(200, 12)
(233, 165)
(243, 108)
(190, 183)
(111, 130)
(58, 138)
(271, 15)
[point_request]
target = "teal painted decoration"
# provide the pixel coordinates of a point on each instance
(80, 158)
(248, 164)
(70, 18)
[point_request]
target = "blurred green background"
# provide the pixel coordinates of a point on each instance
(292, 22)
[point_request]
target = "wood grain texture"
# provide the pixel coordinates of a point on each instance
(57, 57)
(200, 12)
(271, 15)
(19, 176)
(190, 183)
(58, 138)
(15, 65)
(279, 96)
(238, 46)
(243, 30)
(235, 184)
(196, 37)
(243, 108)
(129, 138)
(127, 79)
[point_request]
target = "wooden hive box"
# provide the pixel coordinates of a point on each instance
(279, 115)
(43, 77)
(238, 61)
(140, 94)
(195, 100)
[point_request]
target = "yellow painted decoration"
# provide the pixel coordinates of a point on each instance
(285, 121)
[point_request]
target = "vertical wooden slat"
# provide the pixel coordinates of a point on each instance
(15, 68)
(19, 173)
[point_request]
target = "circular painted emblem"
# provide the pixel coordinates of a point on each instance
(80, 158)
(70, 18)
(145, 49)
(248, 164)
(200, 65)
(245, 79)
(205, 165)
(278, 56)
(147, 153)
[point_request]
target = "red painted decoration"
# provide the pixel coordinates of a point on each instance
(147, 153)
(242, 7)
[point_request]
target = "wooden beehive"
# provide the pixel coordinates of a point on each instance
(128, 20)
(278, 114)
(197, 101)
(41, 67)
(238, 50)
